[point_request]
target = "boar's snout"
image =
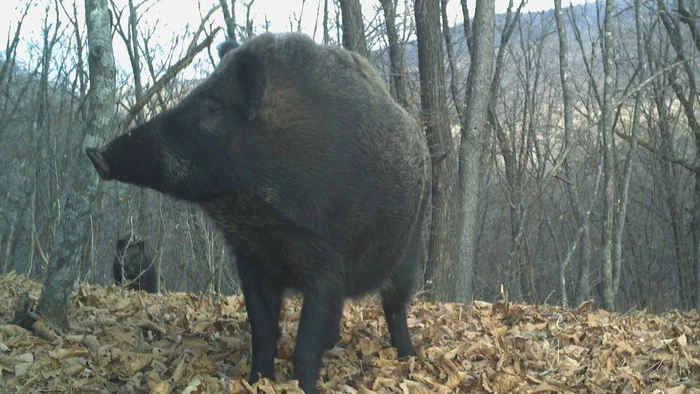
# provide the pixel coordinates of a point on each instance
(98, 160)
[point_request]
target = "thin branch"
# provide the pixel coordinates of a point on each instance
(167, 76)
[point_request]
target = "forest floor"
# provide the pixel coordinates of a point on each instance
(123, 341)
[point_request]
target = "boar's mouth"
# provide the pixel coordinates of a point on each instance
(99, 162)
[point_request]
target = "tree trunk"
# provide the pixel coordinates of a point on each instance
(568, 101)
(135, 58)
(689, 258)
(74, 224)
(396, 54)
(326, 32)
(248, 20)
(338, 29)
(606, 124)
(10, 243)
(353, 27)
(507, 147)
(583, 277)
(229, 18)
(619, 225)
(696, 232)
(673, 203)
(442, 250)
(690, 20)
(475, 132)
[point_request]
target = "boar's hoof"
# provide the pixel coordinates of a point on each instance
(99, 162)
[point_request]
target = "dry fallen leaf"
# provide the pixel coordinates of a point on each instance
(184, 343)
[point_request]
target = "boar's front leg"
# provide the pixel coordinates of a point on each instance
(319, 321)
(263, 299)
(319, 311)
(333, 334)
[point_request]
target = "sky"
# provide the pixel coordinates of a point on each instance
(171, 19)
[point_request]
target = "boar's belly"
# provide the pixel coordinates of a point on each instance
(295, 257)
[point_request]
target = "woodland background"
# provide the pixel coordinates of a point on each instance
(581, 182)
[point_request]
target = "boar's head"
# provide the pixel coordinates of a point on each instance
(199, 149)
(130, 251)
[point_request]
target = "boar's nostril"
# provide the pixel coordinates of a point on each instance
(99, 162)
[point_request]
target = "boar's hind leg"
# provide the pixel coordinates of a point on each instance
(263, 300)
(395, 297)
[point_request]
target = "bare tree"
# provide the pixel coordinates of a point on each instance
(326, 31)
(396, 54)
(73, 226)
(168, 75)
(131, 41)
(229, 18)
(686, 94)
(568, 103)
(621, 217)
(449, 48)
(353, 27)
(442, 251)
(11, 48)
(606, 124)
(248, 19)
(474, 135)
(576, 181)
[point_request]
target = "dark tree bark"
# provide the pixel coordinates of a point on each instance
(675, 207)
(353, 27)
(4, 268)
(442, 251)
(11, 48)
(583, 235)
(135, 58)
(475, 133)
(689, 261)
(606, 123)
(73, 225)
(396, 54)
(229, 18)
(248, 20)
(568, 101)
(508, 148)
(621, 217)
(326, 32)
(449, 47)
(338, 28)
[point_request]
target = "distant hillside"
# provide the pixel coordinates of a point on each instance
(535, 27)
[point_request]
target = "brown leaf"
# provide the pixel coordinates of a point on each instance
(136, 342)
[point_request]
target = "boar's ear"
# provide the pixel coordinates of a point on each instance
(251, 79)
(225, 47)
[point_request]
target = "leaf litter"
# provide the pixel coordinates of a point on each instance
(123, 341)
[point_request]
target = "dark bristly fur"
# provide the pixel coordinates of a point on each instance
(136, 262)
(318, 179)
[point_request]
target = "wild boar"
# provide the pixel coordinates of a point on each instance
(318, 179)
(134, 261)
